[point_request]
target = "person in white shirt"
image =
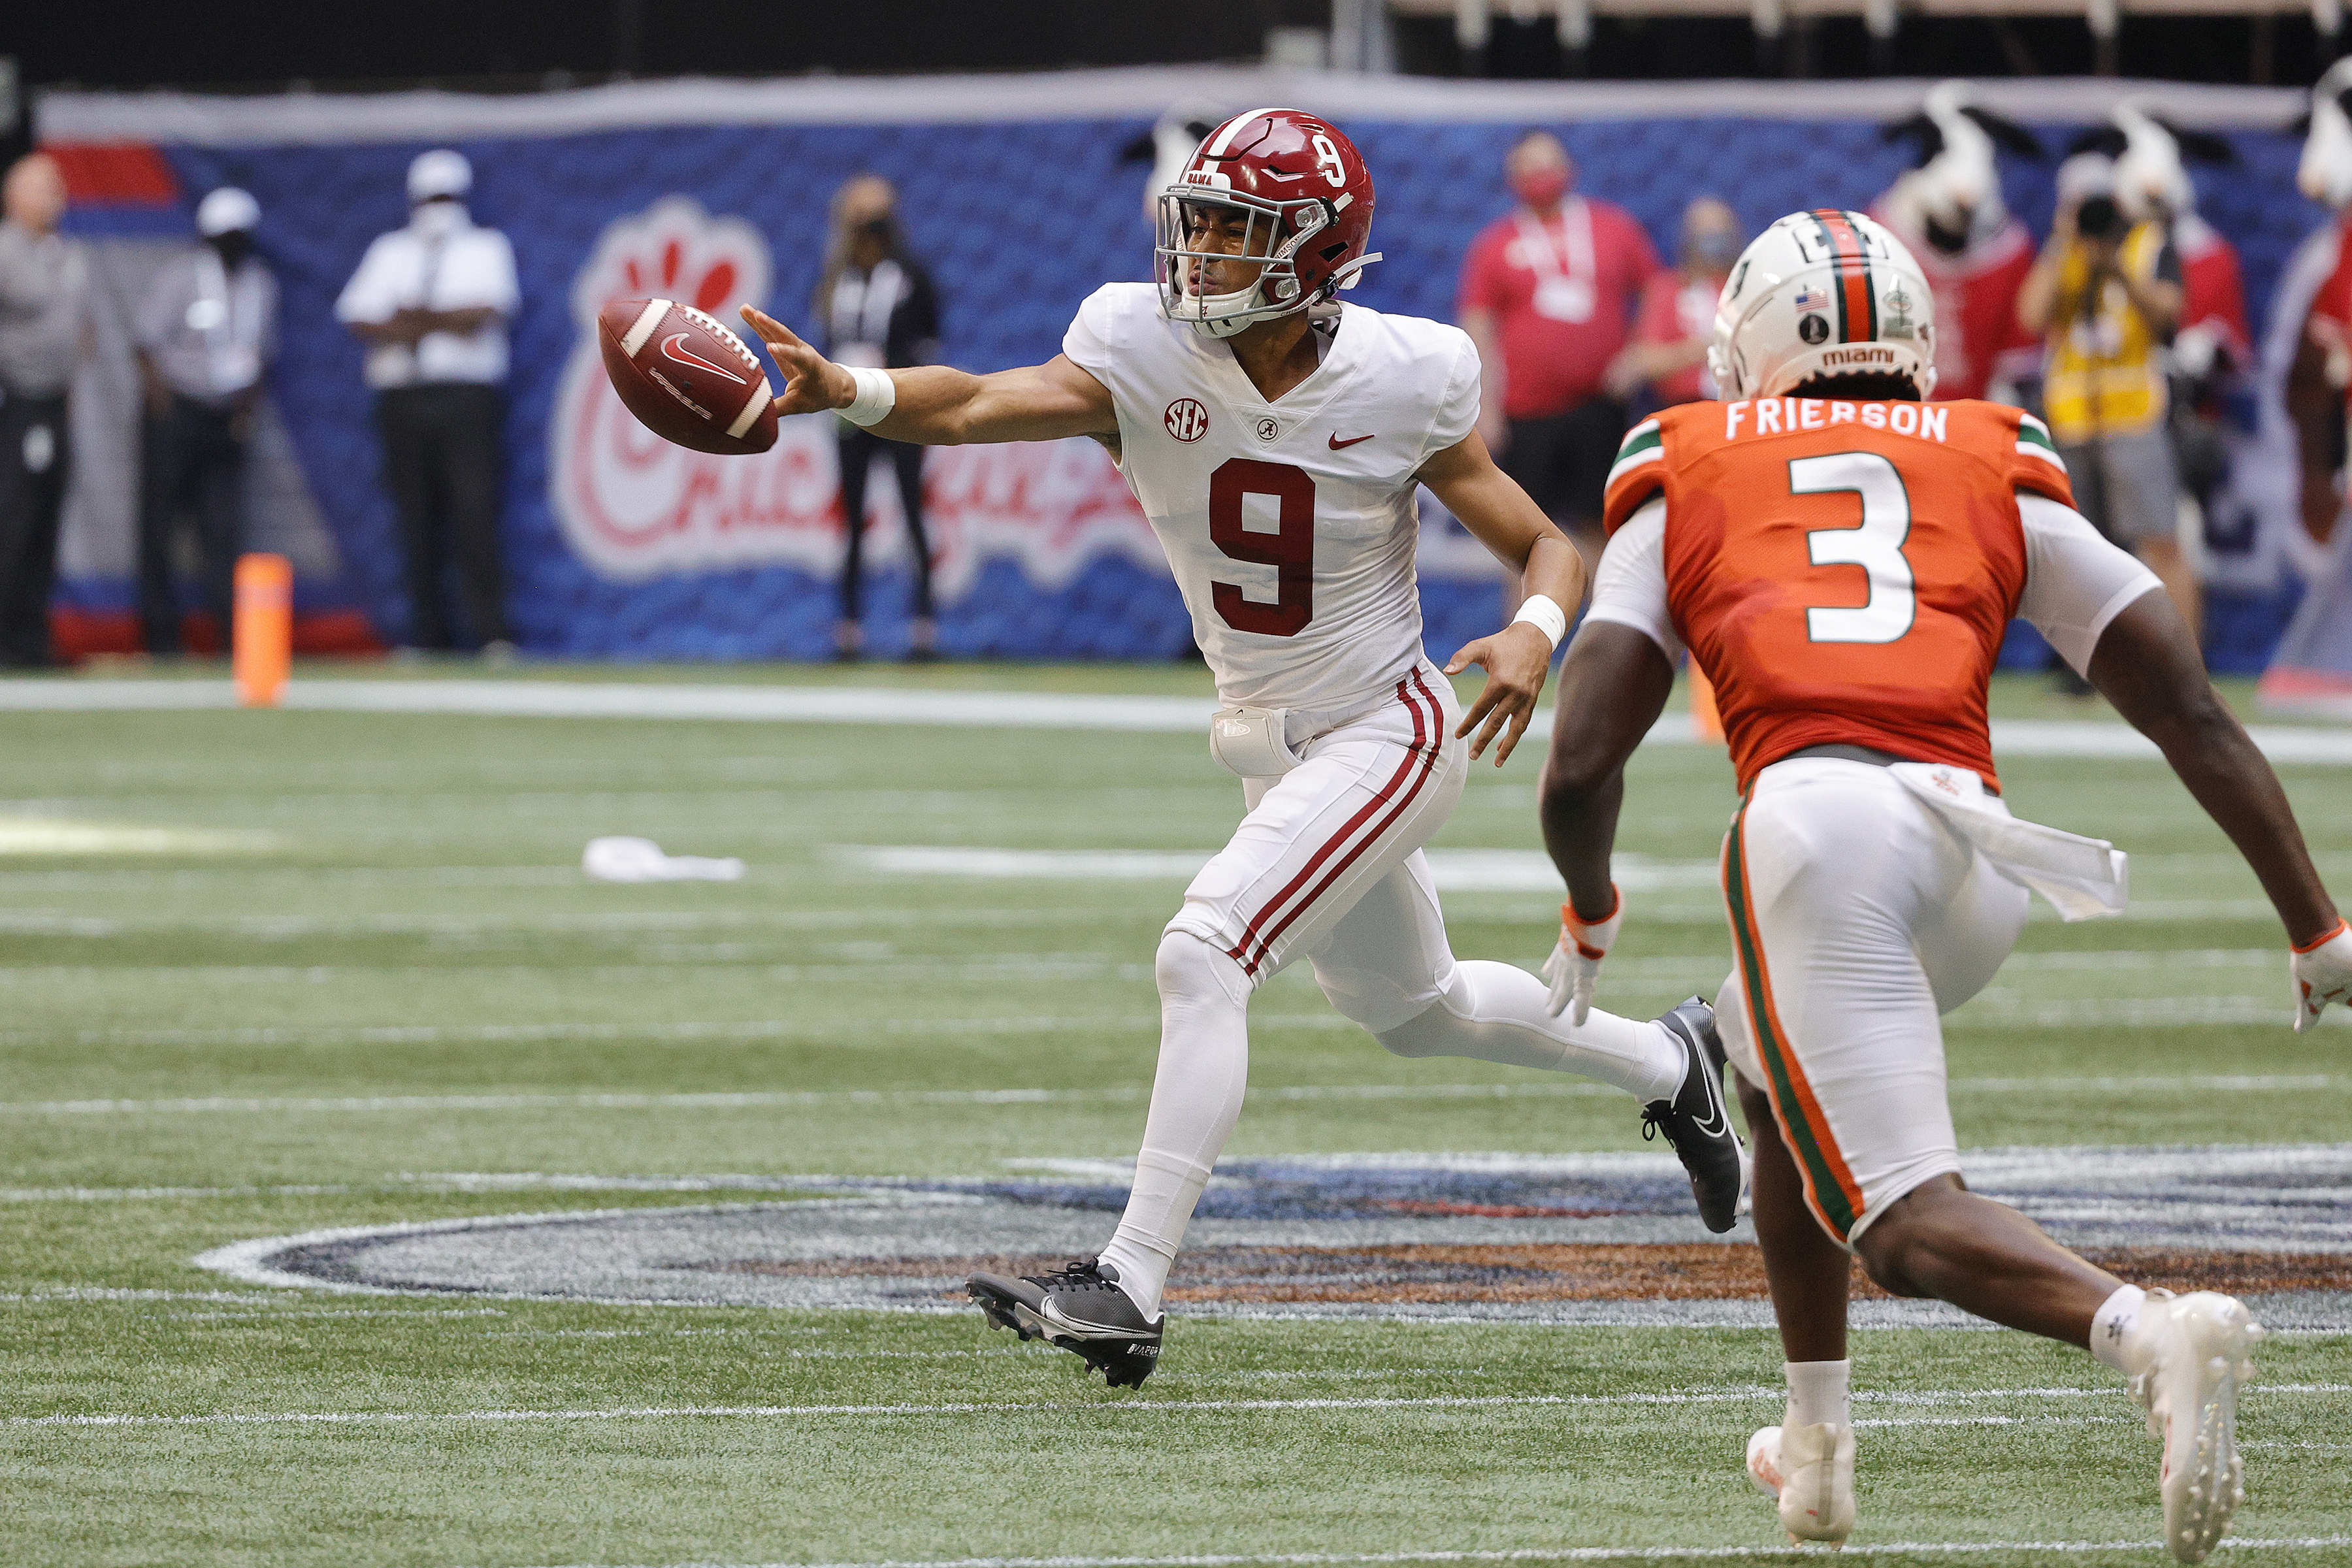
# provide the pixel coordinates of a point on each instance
(1276, 437)
(431, 301)
(206, 335)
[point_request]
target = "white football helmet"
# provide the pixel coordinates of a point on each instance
(1822, 293)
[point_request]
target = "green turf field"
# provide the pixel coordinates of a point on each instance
(272, 972)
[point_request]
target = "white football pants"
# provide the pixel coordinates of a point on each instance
(1858, 917)
(1327, 864)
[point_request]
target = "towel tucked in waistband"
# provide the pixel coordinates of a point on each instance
(2082, 877)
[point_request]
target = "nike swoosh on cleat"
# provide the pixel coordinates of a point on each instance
(1338, 444)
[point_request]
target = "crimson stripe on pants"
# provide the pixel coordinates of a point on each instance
(1428, 742)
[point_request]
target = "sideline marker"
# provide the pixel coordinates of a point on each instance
(264, 641)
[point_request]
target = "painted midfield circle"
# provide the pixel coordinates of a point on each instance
(1599, 1238)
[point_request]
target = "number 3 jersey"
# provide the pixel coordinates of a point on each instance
(1291, 526)
(1844, 572)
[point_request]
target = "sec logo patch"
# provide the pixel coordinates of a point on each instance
(1186, 419)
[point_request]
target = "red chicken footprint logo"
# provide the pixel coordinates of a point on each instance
(632, 505)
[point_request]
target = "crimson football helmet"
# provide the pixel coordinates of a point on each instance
(1305, 201)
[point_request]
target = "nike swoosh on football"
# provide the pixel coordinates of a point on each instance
(688, 356)
(1337, 444)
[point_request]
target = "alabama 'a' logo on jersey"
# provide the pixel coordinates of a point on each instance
(1186, 419)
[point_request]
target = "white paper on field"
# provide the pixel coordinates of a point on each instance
(620, 858)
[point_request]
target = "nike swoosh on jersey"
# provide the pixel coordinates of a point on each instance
(1337, 444)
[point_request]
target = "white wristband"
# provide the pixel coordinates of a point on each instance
(1539, 612)
(876, 395)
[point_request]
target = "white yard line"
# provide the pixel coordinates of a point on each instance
(734, 1029)
(1894, 1549)
(1130, 1407)
(746, 1099)
(958, 709)
(1454, 870)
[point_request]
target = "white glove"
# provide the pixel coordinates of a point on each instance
(2322, 973)
(1574, 966)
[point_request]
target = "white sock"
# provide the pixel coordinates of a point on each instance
(1495, 1013)
(2112, 1324)
(1819, 1392)
(1196, 1096)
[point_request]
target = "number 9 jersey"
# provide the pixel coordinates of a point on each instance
(1289, 526)
(1844, 572)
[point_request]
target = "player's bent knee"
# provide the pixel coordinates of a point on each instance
(1902, 1250)
(1434, 1031)
(1189, 969)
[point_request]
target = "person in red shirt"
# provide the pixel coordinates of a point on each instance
(1667, 358)
(1548, 295)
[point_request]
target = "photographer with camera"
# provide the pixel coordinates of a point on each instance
(2106, 296)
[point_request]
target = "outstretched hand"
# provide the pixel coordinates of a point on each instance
(1516, 660)
(2322, 973)
(812, 383)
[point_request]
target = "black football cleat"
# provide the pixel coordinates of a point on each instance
(1694, 1120)
(1080, 1307)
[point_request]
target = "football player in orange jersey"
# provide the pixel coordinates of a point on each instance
(1841, 559)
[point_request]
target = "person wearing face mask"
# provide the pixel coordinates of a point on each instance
(880, 312)
(431, 301)
(43, 331)
(1666, 361)
(1548, 294)
(204, 334)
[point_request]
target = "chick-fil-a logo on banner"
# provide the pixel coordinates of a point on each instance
(633, 506)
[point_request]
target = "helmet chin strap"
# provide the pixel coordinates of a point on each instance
(1224, 326)
(1349, 274)
(1345, 276)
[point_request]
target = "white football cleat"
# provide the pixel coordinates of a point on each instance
(1810, 1470)
(2194, 1350)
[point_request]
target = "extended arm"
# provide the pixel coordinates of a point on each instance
(2158, 300)
(2037, 296)
(1611, 689)
(1499, 515)
(939, 406)
(2147, 665)
(1610, 692)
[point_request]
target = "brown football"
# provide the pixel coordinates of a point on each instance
(685, 377)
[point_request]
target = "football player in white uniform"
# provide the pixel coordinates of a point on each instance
(1276, 438)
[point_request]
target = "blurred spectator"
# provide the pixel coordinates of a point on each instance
(2106, 292)
(1972, 250)
(879, 311)
(432, 302)
(2214, 343)
(1666, 361)
(1548, 294)
(43, 328)
(205, 333)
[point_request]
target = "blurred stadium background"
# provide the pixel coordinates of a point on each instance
(1018, 190)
